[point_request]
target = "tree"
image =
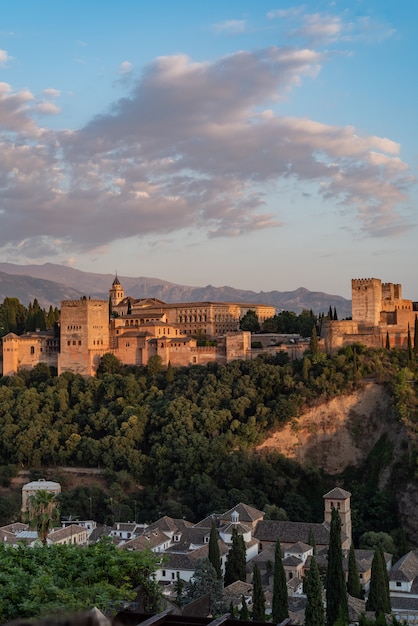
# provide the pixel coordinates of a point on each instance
(43, 513)
(280, 610)
(311, 540)
(336, 592)
(410, 350)
(314, 612)
(313, 343)
(109, 364)
(205, 581)
(214, 555)
(353, 583)
(244, 614)
(259, 601)
(250, 322)
(235, 567)
(378, 599)
(416, 335)
(387, 341)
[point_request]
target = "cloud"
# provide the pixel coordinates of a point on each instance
(51, 93)
(4, 57)
(193, 145)
(231, 27)
(125, 67)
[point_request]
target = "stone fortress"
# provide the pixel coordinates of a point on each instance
(133, 331)
(379, 314)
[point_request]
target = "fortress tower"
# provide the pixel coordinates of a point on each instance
(339, 499)
(84, 335)
(366, 295)
(116, 292)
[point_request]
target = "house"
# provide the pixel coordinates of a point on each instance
(403, 586)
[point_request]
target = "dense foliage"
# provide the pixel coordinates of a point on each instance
(16, 318)
(187, 435)
(64, 579)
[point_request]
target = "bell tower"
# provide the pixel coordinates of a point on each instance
(339, 499)
(116, 292)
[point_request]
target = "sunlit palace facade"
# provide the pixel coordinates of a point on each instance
(133, 331)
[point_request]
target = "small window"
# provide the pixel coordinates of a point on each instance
(398, 583)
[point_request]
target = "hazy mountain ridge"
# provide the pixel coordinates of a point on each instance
(51, 283)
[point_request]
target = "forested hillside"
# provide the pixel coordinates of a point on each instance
(182, 441)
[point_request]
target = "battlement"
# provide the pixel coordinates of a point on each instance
(365, 282)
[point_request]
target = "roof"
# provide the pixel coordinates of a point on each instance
(246, 513)
(406, 568)
(298, 547)
(291, 532)
(68, 531)
(41, 484)
(337, 494)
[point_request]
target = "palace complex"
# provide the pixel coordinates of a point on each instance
(380, 317)
(133, 331)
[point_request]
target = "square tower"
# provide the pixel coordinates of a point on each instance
(339, 499)
(366, 300)
(84, 335)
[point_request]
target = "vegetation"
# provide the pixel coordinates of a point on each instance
(235, 567)
(43, 513)
(64, 579)
(314, 612)
(353, 582)
(336, 592)
(205, 581)
(378, 599)
(259, 601)
(16, 318)
(280, 610)
(214, 555)
(180, 442)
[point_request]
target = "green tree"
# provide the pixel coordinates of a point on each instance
(311, 540)
(259, 601)
(387, 341)
(205, 581)
(353, 582)
(43, 513)
(410, 350)
(378, 598)
(109, 364)
(416, 335)
(336, 592)
(314, 612)
(214, 555)
(313, 343)
(280, 609)
(235, 567)
(250, 322)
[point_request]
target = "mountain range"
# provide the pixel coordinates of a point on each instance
(51, 283)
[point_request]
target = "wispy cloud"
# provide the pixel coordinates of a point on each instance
(4, 57)
(231, 27)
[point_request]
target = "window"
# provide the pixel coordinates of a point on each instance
(398, 583)
(32, 350)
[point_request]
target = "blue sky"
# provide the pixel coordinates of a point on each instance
(248, 143)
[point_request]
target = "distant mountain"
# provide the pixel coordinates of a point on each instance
(51, 283)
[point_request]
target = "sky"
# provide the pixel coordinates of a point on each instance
(264, 145)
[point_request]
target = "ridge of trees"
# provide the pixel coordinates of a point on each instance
(16, 318)
(188, 439)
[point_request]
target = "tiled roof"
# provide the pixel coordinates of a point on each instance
(149, 539)
(402, 603)
(246, 513)
(298, 547)
(337, 494)
(406, 568)
(291, 532)
(68, 531)
(291, 561)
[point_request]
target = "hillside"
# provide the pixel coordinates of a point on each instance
(51, 283)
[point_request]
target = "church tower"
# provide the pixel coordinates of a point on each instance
(339, 499)
(116, 292)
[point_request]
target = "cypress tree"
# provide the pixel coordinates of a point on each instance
(280, 609)
(335, 314)
(330, 313)
(387, 341)
(235, 567)
(213, 555)
(314, 612)
(376, 600)
(244, 614)
(336, 592)
(259, 601)
(410, 351)
(416, 335)
(388, 607)
(313, 343)
(311, 540)
(353, 582)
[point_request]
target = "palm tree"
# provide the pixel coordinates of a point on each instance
(43, 512)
